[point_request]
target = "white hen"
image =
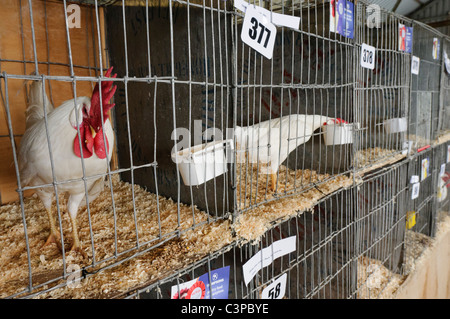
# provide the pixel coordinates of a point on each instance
(34, 157)
(286, 134)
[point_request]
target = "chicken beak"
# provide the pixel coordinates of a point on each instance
(92, 131)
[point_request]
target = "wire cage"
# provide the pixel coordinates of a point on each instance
(444, 114)
(441, 156)
(181, 55)
(195, 145)
(285, 105)
(425, 88)
(212, 277)
(137, 201)
(380, 231)
(381, 93)
(321, 265)
(422, 213)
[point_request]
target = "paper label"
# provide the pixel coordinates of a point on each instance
(415, 190)
(415, 64)
(414, 179)
(410, 220)
(264, 257)
(448, 154)
(442, 170)
(406, 147)
(436, 47)
(367, 56)
(200, 288)
(405, 38)
(258, 32)
(275, 290)
(425, 170)
(281, 20)
(447, 62)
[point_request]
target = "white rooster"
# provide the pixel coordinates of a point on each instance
(34, 157)
(286, 134)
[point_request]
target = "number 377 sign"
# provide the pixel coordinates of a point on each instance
(258, 32)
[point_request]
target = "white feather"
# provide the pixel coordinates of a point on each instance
(283, 135)
(34, 157)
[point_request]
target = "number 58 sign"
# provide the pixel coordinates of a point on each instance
(258, 32)
(275, 290)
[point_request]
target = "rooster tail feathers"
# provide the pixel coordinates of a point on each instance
(36, 100)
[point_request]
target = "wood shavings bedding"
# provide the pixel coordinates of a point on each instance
(251, 224)
(418, 141)
(254, 187)
(145, 269)
(443, 138)
(47, 263)
(415, 245)
(372, 155)
(375, 281)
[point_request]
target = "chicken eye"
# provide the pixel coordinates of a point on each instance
(85, 113)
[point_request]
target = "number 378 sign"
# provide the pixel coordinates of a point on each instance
(367, 56)
(258, 32)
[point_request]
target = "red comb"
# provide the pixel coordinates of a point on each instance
(336, 121)
(108, 91)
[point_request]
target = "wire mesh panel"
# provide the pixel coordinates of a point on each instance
(180, 54)
(212, 277)
(381, 90)
(422, 178)
(441, 157)
(425, 87)
(282, 106)
(141, 133)
(63, 65)
(422, 205)
(114, 167)
(444, 114)
(380, 231)
(322, 265)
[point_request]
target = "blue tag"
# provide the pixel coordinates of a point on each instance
(343, 16)
(220, 279)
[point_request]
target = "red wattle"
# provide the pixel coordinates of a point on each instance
(87, 142)
(99, 145)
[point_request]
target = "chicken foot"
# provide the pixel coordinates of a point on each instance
(76, 245)
(273, 177)
(73, 205)
(54, 236)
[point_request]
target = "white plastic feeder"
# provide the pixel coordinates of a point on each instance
(395, 125)
(338, 133)
(407, 146)
(200, 163)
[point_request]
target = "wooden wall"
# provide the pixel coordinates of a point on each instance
(17, 57)
(431, 277)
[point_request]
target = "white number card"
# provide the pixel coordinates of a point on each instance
(275, 290)
(367, 56)
(258, 32)
(415, 65)
(415, 190)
